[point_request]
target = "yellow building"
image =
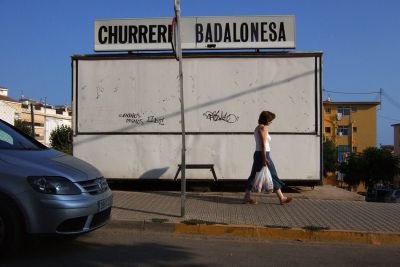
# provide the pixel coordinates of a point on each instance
(350, 125)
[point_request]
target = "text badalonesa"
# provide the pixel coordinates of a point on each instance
(207, 33)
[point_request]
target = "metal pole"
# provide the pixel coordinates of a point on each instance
(45, 128)
(32, 122)
(177, 7)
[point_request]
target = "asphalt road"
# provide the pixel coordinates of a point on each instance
(115, 247)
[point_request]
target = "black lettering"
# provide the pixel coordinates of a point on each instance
(133, 34)
(152, 34)
(102, 40)
(122, 34)
(112, 34)
(217, 32)
(282, 34)
(272, 35)
(254, 32)
(162, 30)
(199, 33)
(208, 33)
(170, 33)
(235, 38)
(143, 33)
(264, 32)
(244, 32)
(227, 34)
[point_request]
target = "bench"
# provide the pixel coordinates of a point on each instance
(197, 166)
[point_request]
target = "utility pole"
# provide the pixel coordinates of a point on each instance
(177, 7)
(32, 121)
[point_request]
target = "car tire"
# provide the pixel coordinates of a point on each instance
(11, 229)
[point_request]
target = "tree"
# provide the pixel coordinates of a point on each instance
(353, 169)
(371, 167)
(23, 126)
(329, 156)
(61, 139)
(381, 166)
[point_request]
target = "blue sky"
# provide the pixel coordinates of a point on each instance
(359, 39)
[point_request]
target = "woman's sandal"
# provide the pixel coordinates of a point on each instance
(287, 200)
(249, 201)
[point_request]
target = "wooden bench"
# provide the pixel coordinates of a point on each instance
(197, 166)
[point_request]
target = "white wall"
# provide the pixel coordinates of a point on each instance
(7, 112)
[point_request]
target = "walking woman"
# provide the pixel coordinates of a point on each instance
(262, 158)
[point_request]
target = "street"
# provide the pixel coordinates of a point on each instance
(116, 247)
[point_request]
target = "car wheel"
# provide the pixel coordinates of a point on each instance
(11, 230)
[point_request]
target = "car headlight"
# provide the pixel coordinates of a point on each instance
(54, 185)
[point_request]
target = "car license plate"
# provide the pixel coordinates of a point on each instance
(104, 203)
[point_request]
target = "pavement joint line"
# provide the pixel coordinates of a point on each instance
(267, 232)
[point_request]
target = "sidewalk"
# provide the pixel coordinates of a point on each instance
(320, 214)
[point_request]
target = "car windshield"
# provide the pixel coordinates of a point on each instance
(12, 139)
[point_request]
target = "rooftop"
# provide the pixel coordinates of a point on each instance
(6, 98)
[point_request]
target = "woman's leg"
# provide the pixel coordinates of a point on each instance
(278, 184)
(257, 165)
(282, 198)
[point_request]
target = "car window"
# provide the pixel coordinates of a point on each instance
(11, 139)
(5, 138)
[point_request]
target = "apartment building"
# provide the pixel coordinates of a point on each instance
(9, 108)
(350, 125)
(45, 117)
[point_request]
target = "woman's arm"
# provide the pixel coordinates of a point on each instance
(263, 134)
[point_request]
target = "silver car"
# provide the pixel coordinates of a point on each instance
(45, 191)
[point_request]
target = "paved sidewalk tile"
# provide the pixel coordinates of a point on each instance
(228, 209)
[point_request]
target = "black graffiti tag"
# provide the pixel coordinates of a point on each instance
(221, 116)
(136, 118)
(153, 119)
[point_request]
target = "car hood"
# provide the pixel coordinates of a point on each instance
(48, 162)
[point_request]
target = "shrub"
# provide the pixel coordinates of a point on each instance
(61, 139)
(23, 126)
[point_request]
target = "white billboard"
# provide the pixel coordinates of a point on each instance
(196, 32)
(127, 113)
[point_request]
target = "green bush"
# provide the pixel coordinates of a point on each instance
(61, 139)
(329, 157)
(372, 166)
(23, 126)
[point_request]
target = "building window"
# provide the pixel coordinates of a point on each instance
(342, 130)
(24, 106)
(328, 130)
(344, 110)
(59, 111)
(38, 107)
(353, 109)
(354, 149)
(328, 110)
(354, 129)
(343, 152)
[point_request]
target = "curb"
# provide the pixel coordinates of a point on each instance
(297, 234)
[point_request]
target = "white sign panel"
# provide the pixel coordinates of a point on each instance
(197, 33)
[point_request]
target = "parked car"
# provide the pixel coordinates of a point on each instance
(377, 194)
(393, 197)
(45, 191)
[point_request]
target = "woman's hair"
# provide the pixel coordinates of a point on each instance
(266, 117)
